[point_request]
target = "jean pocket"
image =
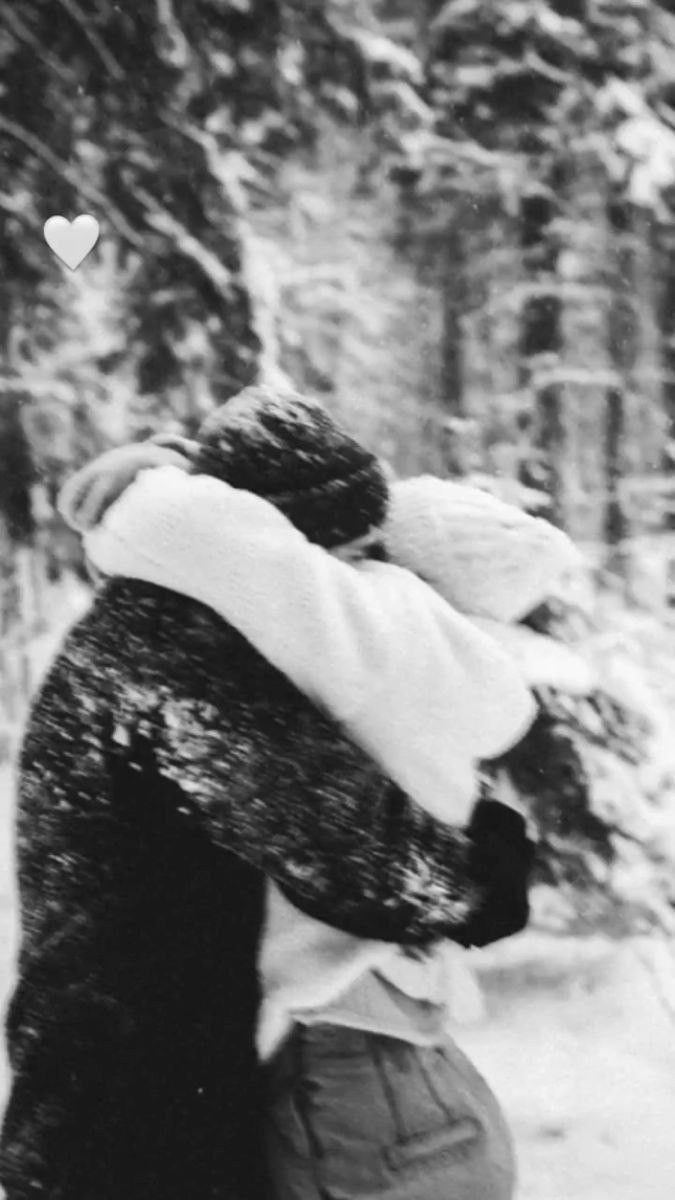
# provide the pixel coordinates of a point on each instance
(450, 1141)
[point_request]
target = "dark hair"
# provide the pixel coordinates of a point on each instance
(377, 551)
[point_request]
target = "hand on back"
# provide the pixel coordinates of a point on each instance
(86, 497)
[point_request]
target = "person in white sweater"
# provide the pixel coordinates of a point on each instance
(385, 655)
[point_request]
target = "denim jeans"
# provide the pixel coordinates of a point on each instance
(353, 1114)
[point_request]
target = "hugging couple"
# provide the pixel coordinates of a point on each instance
(254, 825)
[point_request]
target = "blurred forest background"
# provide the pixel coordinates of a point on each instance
(455, 223)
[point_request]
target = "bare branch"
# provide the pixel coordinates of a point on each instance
(23, 34)
(180, 49)
(87, 190)
(163, 221)
(109, 62)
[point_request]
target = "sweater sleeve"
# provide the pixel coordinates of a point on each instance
(373, 646)
(286, 791)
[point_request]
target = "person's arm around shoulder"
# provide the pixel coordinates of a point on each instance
(425, 691)
(306, 806)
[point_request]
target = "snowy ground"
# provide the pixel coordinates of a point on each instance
(579, 1047)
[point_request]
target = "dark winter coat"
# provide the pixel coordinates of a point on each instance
(166, 769)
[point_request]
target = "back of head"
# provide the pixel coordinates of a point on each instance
(288, 449)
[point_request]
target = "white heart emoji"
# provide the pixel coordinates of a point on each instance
(71, 241)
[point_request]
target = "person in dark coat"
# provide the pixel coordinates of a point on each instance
(166, 769)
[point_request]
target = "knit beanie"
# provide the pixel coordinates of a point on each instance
(289, 450)
(485, 557)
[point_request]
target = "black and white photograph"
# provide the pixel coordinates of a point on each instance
(337, 599)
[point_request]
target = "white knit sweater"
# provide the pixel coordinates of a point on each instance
(422, 689)
(419, 686)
